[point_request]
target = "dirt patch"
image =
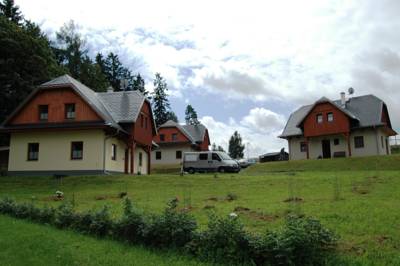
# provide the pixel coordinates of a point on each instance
(213, 199)
(209, 207)
(100, 197)
(53, 198)
(294, 199)
(241, 209)
(382, 239)
(256, 215)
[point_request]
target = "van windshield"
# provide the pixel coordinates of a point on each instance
(224, 156)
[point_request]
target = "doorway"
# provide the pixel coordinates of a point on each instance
(326, 148)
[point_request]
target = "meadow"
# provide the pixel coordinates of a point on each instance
(358, 198)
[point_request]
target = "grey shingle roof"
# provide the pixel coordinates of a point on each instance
(123, 106)
(366, 110)
(194, 133)
(113, 107)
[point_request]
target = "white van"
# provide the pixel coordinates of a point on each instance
(209, 161)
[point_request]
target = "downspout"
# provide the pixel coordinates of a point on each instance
(104, 151)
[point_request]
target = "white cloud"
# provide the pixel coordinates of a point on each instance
(259, 130)
(286, 52)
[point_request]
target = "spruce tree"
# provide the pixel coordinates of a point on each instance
(236, 147)
(161, 104)
(138, 84)
(191, 116)
(11, 11)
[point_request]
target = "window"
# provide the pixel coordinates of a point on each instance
(359, 142)
(178, 154)
(141, 121)
(215, 157)
(329, 117)
(303, 147)
(174, 137)
(70, 111)
(158, 155)
(203, 156)
(140, 159)
(336, 142)
(113, 152)
(77, 150)
(319, 118)
(33, 151)
(43, 112)
(162, 137)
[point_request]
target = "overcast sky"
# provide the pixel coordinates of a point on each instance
(244, 65)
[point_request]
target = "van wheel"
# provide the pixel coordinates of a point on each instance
(191, 171)
(221, 170)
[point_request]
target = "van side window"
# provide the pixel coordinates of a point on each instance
(203, 156)
(215, 157)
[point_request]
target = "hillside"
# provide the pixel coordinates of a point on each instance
(374, 163)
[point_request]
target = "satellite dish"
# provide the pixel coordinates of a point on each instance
(351, 91)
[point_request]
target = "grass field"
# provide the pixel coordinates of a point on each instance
(23, 243)
(358, 198)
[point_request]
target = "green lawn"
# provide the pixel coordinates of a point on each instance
(24, 243)
(358, 198)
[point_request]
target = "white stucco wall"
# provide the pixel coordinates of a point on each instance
(55, 151)
(372, 144)
(117, 165)
(143, 169)
(168, 155)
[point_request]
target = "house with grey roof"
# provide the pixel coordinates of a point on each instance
(357, 126)
(174, 139)
(64, 127)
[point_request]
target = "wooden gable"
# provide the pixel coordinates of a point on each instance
(339, 125)
(56, 99)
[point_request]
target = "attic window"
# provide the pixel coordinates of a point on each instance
(43, 112)
(320, 118)
(174, 137)
(329, 117)
(162, 137)
(70, 111)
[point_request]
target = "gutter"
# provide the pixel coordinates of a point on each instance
(104, 151)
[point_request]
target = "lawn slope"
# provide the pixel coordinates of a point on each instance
(384, 163)
(24, 243)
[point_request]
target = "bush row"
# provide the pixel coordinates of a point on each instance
(301, 241)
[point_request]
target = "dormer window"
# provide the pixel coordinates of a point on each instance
(320, 118)
(70, 111)
(174, 137)
(43, 112)
(162, 137)
(329, 117)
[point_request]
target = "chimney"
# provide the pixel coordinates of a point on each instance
(110, 89)
(343, 99)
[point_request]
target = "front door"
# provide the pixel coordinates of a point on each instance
(326, 148)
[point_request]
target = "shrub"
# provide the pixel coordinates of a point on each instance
(7, 206)
(131, 224)
(225, 240)
(303, 241)
(101, 224)
(64, 216)
(170, 229)
(231, 196)
(45, 215)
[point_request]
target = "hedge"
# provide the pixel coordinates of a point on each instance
(301, 241)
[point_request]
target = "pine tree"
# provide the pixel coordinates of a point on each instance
(11, 11)
(172, 116)
(219, 148)
(236, 147)
(161, 104)
(138, 84)
(214, 147)
(191, 116)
